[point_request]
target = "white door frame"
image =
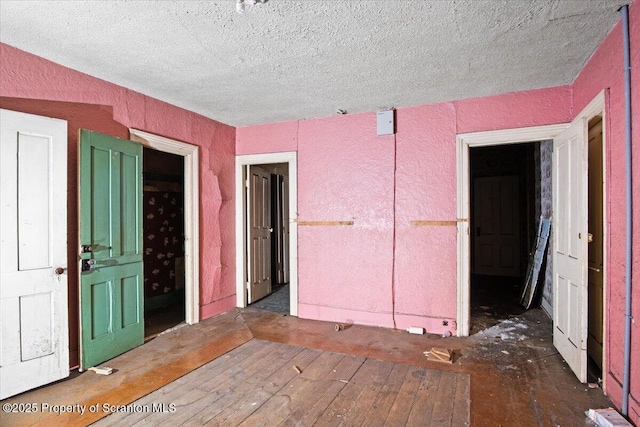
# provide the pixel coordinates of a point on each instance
(503, 137)
(290, 158)
(191, 214)
(464, 143)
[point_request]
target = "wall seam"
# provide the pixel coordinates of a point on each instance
(393, 258)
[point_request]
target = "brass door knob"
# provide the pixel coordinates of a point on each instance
(59, 270)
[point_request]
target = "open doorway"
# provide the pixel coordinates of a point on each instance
(191, 207)
(596, 252)
(575, 300)
(266, 232)
(504, 211)
(164, 250)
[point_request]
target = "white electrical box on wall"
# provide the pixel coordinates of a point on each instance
(385, 123)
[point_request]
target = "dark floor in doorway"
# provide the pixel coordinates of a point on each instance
(494, 299)
(159, 320)
(277, 301)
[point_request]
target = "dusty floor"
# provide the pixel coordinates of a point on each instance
(256, 384)
(517, 377)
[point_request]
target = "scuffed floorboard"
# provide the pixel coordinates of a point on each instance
(257, 384)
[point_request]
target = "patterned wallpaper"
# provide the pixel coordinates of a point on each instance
(163, 240)
(546, 150)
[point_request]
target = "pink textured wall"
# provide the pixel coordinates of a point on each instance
(346, 173)
(347, 177)
(268, 138)
(31, 84)
(604, 70)
(425, 256)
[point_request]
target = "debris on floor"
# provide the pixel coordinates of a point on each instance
(417, 330)
(102, 370)
(298, 370)
(507, 330)
(339, 327)
(437, 354)
(608, 417)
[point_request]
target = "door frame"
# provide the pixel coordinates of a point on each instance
(191, 214)
(503, 137)
(289, 157)
(463, 143)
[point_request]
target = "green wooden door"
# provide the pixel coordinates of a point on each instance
(111, 282)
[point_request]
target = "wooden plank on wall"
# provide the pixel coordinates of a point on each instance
(325, 223)
(434, 223)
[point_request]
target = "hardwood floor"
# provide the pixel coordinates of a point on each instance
(237, 367)
(257, 384)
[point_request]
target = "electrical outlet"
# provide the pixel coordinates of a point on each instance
(445, 323)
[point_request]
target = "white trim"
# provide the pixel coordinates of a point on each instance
(191, 214)
(464, 142)
(290, 158)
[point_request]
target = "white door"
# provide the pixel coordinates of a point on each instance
(570, 236)
(34, 344)
(259, 219)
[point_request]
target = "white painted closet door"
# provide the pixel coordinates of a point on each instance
(34, 344)
(570, 246)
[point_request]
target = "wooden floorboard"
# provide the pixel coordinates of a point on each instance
(404, 400)
(385, 399)
(462, 407)
(184, 390)
(424, 399)
(444, 404)
(258, 384)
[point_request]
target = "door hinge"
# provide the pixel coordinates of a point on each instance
(246, 183)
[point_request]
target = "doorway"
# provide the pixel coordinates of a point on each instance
(266, 232)
(163, 237)
(191, 211)
(503, 223)
(465, 143)
(570, 228)
(596, 252)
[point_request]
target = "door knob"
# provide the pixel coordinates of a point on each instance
(87, 264)
(60, 270)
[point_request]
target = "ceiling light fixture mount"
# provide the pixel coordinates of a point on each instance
(241, 4)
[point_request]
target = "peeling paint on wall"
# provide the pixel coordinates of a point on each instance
(34, 85)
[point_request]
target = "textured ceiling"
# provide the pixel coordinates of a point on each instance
(294, 59)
